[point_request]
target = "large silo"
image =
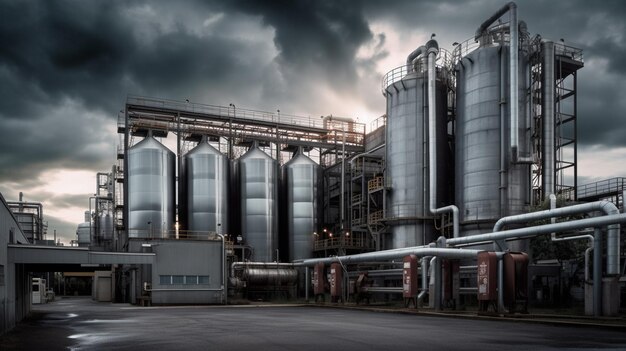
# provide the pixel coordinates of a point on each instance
(206, 172)
(406, 91)
(105, 227)
(151, 198)
(490, 183)
(301, 179)
(83, 234)
(258, 191)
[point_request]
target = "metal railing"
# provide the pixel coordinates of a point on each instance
(607, 187)
(378, 122)
(225, 111)
(443, 62)
(561, 49)
(172, 234)
(346, 242)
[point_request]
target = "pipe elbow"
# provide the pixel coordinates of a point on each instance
(432, 46)
(413, 55)
(609, 208)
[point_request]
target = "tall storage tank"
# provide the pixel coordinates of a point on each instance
(258, 191)
(206, 172)
(83, 233)
(301, 176)
(406, 91)
(105, 227)
(151, 197)
(483, 137)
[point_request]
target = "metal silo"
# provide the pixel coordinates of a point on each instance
(258, 191)
(105, 227)
(83, 233)
(492, 181)
(406, 90)
(151, 198)
(301, 178)
(206, 172)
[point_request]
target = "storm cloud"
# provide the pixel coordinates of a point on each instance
(66, 67)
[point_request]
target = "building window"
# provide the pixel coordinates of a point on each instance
(204, 279)
(184, 280)
(178, 279)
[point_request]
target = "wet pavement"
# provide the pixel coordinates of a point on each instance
(82, 324)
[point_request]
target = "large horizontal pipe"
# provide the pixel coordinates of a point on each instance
(419, 251)
(237, 265)
(612, 266)
(607, 207)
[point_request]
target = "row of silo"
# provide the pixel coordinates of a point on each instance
(482, 158)
(209, 202)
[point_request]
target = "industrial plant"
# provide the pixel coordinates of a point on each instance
(457, 197)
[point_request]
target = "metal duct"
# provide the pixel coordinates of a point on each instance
(433, 50)
(547, 111)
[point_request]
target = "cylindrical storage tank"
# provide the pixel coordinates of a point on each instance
(105, 227)
(259, 215)
(407, 154)
(488, 185)
(83, 233)
(301, 177)
(206, 172)
(151, 197)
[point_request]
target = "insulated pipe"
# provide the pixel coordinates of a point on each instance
(437, 297)
(612, 258)
(424, 291)
(483, 27)
(511, 7)
(365, 153)
(547, 111)
(412, 56)
(235, 265)
(503, 165)
(419, 251)
(500, 283)
(433, 50)
(613, 235)
(223, 266)
(597, 273)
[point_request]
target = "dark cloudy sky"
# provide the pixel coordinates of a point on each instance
(67, 66)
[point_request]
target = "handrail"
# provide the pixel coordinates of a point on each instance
(226, 111)
(443, 61)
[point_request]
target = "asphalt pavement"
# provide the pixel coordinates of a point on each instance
(82, 324)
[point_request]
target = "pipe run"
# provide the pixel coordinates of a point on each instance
(612, 256)
(412, 56)
(237, 265)
(511, 8)
(607, 207)
(419, 251)
(433, 50)
(354, 158)
(548, 117)
(424, 267)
